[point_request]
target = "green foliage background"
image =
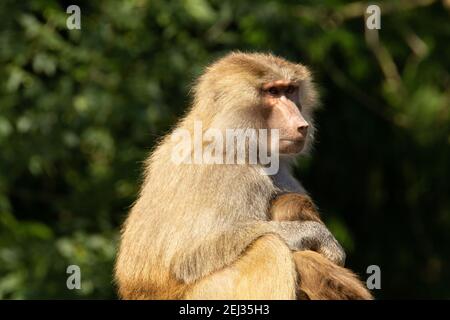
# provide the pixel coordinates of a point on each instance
(80, 109)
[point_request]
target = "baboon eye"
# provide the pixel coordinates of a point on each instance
(290, 90)
(274, 91)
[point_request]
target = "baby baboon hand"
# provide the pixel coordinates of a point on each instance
(311, 235)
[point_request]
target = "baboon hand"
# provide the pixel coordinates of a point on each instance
(331, 249)
(311, 235)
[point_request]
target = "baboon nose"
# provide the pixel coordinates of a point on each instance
(303, 129)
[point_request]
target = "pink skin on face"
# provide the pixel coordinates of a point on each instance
(282, 98)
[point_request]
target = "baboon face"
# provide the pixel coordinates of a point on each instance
(280, 99)
(261, 91)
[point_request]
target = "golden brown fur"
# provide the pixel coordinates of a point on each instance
(293, 206)
(203, 231)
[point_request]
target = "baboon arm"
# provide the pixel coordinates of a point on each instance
(265, 270)
(310, 235)
(218, 251)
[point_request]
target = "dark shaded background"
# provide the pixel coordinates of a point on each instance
(80, 109)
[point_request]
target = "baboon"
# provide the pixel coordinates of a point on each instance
(213, 230)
